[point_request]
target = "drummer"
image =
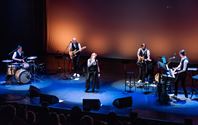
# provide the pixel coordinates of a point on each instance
(18, 57)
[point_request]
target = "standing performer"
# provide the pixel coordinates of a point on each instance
(93, 72)
(144, 59)
(74, 52)
(181, 73)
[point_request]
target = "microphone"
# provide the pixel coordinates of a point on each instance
(12, 51)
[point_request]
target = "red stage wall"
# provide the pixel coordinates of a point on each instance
(116, 28)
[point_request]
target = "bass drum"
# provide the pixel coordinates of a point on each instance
(23, 76)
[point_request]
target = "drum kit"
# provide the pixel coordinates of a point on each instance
(21, 72)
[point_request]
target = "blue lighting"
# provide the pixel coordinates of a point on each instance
(72, 92)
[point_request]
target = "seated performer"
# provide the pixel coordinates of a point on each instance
(181, 73)
(18, 57)
(93, 72)
(161, 64)
(144, 59)
(75, 46)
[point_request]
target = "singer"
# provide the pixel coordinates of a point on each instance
(93, 72)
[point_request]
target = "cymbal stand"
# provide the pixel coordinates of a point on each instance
(34, 73)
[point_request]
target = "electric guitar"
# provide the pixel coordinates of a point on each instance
(141, 59)
(74, 53)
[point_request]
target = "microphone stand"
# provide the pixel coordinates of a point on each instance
(65, 75)
(12, 51)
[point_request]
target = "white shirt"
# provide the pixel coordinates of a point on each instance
(184, 65)
(15, 54)
(147, 51)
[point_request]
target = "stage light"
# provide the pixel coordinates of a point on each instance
(123, 102)
(91, 104)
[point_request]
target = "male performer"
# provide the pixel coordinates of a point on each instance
(75, 46)
(181, 72)
(18, 55)
(143, 55)
(93, 72)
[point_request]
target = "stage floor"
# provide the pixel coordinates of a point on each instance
(72, 92)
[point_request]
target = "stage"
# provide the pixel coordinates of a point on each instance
(72, 92)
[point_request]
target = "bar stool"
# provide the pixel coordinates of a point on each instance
(129, 81)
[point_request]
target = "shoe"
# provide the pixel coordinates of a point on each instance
(146, 82)
(174, 97)
(127, 82)
(139, 81)
(74, 75)
(187, 99)
(78, 75)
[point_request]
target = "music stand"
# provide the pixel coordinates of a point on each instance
(65, 75)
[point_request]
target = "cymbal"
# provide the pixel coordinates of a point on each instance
(7, 61)
(30, 61)
(32, 57)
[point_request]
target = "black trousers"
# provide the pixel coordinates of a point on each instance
(142, 67)
(181, 78)
(92, 80)
(75, 62)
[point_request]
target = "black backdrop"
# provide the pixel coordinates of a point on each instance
(22, 22)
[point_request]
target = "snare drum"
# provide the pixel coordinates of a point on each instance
(23, 76)
(25, 65)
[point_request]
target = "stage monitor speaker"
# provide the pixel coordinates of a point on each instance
(123, 102)
(91, 104)
(48, 99)
(34, 91)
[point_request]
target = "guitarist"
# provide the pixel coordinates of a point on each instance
(143, 55)
(75, 46)
(181, 73)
